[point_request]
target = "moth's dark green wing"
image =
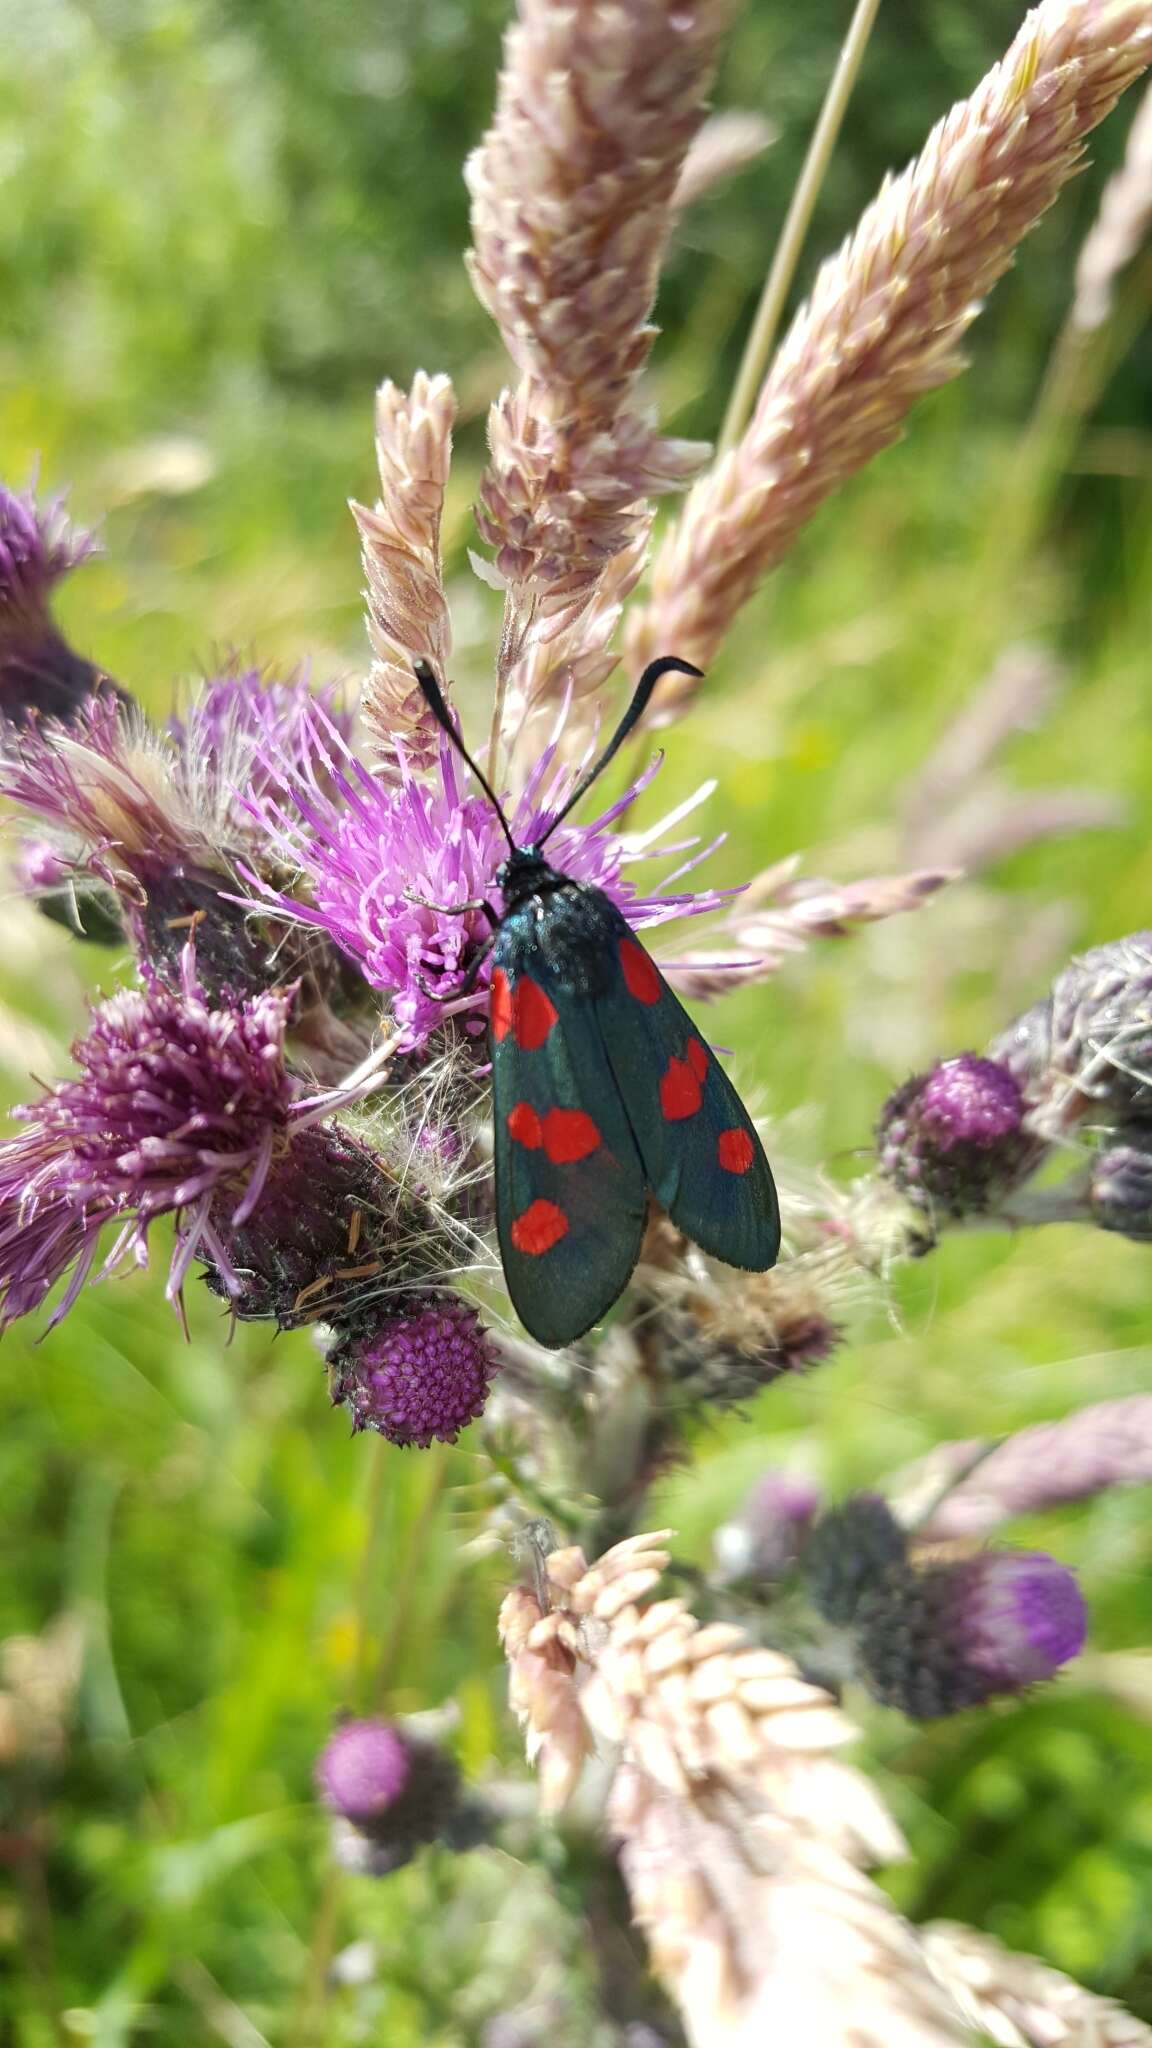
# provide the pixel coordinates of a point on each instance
(700, 1152)
(570, 1198)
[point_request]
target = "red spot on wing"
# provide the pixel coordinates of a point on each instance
(524, 1125)
(640, 976)
(541, 1225)
(697, 1058)
(735, 1150)
(533, 1014)
(500, 1005)
(680, 1093)
(569, 1134)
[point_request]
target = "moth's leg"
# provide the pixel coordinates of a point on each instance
(467, 982)
(455, 909)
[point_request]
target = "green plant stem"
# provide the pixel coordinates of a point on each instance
(797, 222)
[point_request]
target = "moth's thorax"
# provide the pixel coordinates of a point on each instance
(550, 919)
(526, 873)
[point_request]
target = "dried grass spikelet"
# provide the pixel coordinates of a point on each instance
(1118, 232)
(1107, 1444)
(572, 201)
(741, 1835)
(1019, 2002)
(887, 315)
(570, 667)
(407, 612)
(725, 144)
(781, 912)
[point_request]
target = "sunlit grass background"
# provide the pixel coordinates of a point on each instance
(222, 222)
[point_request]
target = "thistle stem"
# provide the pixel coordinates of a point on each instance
(797, 222)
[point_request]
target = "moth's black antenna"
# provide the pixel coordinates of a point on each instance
(433, 696)
(668, 664)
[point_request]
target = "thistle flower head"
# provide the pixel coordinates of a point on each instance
(243, 729)
(376, 858)
(176, 1105)
(160, 816)
(851, 1549)
(1120, 1189)
(948, 1636)
(954, 1138)
(394, 1790)
(769, 1533)
(39, 672)
(420, 1376)
(1101, 1048)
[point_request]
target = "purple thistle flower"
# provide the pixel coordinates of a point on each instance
(39, 673)
(395, 1792)
(368, 852)
(769, 1533)
(39, 866)
(161, 818)
(949, 1636)
(420, 1376)
(852, 1548)
(954, 1138)
(177, 1109)
(248, 728)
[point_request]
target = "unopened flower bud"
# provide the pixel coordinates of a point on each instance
(851, 1549)
(766, 1538)
(420, 1375)
(953, 1139)
(394, 1791)
(1120, 1191)
(949, 1636)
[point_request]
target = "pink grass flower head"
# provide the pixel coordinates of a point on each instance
(40, 675)
(373, 858)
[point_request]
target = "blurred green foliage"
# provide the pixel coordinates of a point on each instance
(222, 222)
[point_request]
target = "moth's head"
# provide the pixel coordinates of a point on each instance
(522, 873)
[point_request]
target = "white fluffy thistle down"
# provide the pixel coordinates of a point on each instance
(887, 315)
(743, 1838)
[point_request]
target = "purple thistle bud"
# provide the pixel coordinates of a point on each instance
(420, 1376)
(769, 1533)
(177, 1109)
(40, 675)
(376, 856)
(954, 1138)
(1086, 1050)
(852, 1549)
(1120, 1190)
(1102, 1026)
(949, 1636)
(394, 1790)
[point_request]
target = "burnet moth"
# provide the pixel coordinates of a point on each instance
(602, 1087)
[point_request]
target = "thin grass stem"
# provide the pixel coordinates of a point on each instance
(762, 339)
